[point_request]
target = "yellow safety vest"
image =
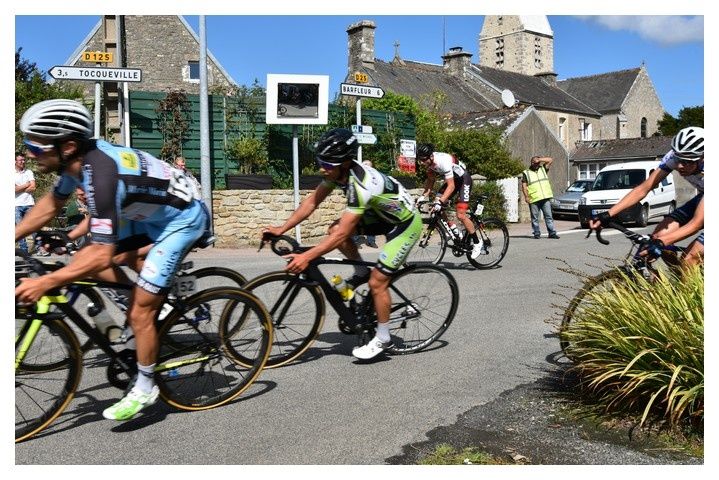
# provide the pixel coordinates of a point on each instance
(538, 185)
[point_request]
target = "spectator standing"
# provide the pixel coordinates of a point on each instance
(24, 201)
(180, 165)
(538, 194)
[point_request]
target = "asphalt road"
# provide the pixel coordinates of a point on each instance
(329, 409)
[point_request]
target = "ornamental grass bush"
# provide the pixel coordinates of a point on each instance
(639, 347)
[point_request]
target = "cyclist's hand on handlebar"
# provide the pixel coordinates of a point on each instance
(31, 290)
(296, 262)
(268, 233)
(653, 248)
(437, 206)
(600, 221)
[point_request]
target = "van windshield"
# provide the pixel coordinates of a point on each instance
(618, 179)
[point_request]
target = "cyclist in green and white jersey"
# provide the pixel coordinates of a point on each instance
(376, 205)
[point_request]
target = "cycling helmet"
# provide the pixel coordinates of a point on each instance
(688, 144)
(57, 119)
(336, 146)
(424, 150)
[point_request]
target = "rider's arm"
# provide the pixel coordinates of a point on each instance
(91, 259)
(428, 183)
(690, 228)
(448, 191)
(80, 229)
(44, 210)
(306, 208)
(639, 192)
(345, 227)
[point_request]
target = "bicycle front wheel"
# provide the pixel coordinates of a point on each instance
(195, 369)
(297, 310)
(424, 302)
(217, 277)
(495, 241)
(42, 394)
(587, 296)
(431, 246)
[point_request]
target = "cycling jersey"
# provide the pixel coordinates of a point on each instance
(448, 166)
(132, 195)
(386, 209)
(670, 163)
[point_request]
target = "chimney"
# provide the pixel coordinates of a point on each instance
(360, 46)
(456, 61)
(550, 78)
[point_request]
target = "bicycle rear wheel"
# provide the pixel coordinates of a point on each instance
(217, 277)
(495, 241)
(42, 394)
(431, 246)
(297, 310)
(586, 297)
(195, 370)
(424, 302)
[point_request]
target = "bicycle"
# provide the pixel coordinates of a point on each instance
(424, 302)
(194, 370)
(87, 295)
(633, 265)
(437, 237)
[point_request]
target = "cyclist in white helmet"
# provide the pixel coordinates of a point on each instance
(687, 158)
(134, 201)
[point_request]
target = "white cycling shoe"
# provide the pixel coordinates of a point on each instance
(371, 350)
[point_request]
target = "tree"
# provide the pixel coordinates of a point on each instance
(688, 117)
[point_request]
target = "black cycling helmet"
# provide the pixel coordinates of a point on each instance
(688, 144)
(336, 146)
(424, 150)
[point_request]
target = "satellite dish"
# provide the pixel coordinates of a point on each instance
(508, 98)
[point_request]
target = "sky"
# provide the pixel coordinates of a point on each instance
(250, 47)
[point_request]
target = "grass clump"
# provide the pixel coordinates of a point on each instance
(445, 454)
(639, 346)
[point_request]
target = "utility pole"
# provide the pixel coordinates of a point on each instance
(205, 169)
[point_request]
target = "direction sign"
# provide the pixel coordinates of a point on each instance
(366, 138)
(361, 90)
(361, 128)
(96, 74)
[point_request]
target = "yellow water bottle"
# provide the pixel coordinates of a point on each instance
(345, 290)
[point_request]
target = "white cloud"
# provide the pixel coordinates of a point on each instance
(664, 29)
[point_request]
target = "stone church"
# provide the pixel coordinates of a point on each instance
(513, 84)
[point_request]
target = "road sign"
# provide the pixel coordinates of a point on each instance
(361, 77)
(96, 74)
(361, 90)
(97, 57)
(366, 138)
(361, 128)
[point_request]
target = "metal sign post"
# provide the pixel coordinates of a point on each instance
(296, 175)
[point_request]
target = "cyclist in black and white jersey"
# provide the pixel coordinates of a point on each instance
(457, 181)
(376, 205)
(134, 200)
(687, 158)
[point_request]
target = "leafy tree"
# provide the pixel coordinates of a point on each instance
(688, 117)
(483, 151)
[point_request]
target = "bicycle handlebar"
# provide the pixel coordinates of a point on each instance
(281, 250)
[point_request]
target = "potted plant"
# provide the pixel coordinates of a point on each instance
(248, 157)
(310, 178)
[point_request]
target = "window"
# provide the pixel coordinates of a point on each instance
(499, 52)
(194, 69)
(538, 52)
(585, 130)
(562, 129)
(589, 171)
(643, 133)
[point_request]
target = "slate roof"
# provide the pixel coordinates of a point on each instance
(622, 148)
(604, 92)
(417, 79)
(534, 90)
(502, 119)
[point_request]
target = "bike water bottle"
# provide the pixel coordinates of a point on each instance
(455, 230)
(346, 291)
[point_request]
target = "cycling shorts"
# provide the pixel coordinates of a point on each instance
(685, 213)
(462, 188)
(171, 241)
(400, 240)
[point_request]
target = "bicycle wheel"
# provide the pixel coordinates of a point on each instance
(217, 277)
(495, 237)
(424, 301)
(194, 368)
(297, 310)
(431, 246)
(41, 395)
(598, 285)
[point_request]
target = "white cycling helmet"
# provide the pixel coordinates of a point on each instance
(688, 144)
(57, 119)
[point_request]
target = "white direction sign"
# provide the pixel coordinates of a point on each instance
(96, 74)
(366, 138)
(361, 90)
(361, 128)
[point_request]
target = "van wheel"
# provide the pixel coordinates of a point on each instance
(643, 217)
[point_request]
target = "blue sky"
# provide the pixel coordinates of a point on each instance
(249, 47)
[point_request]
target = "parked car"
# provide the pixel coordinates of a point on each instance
(613, 182)
(567, 204)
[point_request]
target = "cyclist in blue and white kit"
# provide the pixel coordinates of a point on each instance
(134, 200)
(687, 158)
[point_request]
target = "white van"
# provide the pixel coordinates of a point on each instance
(613, 182)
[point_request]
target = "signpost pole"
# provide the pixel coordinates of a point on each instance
(98, 98)
(359, 122)
(296, 176)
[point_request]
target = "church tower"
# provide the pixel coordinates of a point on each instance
(518, 43)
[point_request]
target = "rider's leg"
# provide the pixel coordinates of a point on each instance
(350, 250)
(694, 254)
(379, 286)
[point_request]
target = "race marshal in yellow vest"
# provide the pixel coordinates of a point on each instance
(537, 192)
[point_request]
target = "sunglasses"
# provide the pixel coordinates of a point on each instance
(37, 148)
(327, 165)
(686, 161)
